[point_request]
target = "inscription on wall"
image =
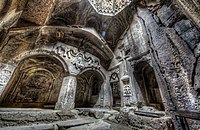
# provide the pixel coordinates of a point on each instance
(127, 91)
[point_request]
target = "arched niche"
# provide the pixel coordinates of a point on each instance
(35, 83)
(146, 80)
(115, 86)
(88, 88)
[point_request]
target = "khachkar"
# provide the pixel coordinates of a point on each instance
(109, 7)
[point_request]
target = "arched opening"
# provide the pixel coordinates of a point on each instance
(114, 83)
(88, 87)
(35, 83)
(146, 80)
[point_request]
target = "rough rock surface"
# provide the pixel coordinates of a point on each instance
(143, 62)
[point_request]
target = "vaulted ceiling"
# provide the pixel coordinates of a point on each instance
(81, 13)
(77, 12)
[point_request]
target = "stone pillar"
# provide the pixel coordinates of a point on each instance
(128, 93)
(66, 99)
(107, 94)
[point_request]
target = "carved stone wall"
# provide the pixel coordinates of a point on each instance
(173, 56)
(169, 41)
(19, 45)
(147, 82)
(164, 34)
(38, 11)
(34, 85)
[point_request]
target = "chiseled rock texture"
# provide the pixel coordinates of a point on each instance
(173, 43)
(143, 63)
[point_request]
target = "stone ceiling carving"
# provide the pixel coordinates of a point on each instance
(109, 7)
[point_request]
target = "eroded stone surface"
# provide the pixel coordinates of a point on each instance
(143, 63)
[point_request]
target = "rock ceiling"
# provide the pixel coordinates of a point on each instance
(80, 13)
(77, 12)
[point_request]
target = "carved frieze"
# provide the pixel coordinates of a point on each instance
(78, 59)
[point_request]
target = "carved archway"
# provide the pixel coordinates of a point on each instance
(35, 83)
(146, 80)
(88, 88)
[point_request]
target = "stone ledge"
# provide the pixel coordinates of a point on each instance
(30, 116)
(55, 125)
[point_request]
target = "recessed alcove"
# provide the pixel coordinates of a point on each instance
(35, 83)
(116, 93)
(88, 88)
(148, 85)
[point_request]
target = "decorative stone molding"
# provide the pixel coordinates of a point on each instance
(78, 60)
(126, 86)
(5, 74)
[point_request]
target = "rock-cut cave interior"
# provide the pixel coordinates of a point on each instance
(99, 64)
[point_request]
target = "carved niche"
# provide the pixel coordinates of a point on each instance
(88, 88)
(147, 82)
(36, 82)
(114, 83)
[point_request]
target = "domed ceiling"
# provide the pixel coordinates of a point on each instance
(109, 7)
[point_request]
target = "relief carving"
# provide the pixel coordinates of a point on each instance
(34, 88)
(78, 59)
(35, 83)
(5, 74)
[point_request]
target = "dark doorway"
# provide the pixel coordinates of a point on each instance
(88, 87)
(146, 79)
(35, 83)
(114, 83)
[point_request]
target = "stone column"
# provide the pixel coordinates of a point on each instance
(66, 99)
(128, 93)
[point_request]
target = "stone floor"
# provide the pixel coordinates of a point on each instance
(80, 119)
(75, 124)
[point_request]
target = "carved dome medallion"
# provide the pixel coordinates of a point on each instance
(109, 7)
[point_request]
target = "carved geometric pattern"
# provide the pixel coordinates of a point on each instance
(109, 7)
